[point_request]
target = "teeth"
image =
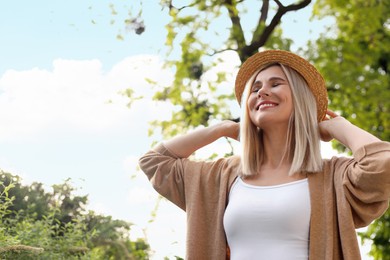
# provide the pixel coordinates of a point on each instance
(266, 105)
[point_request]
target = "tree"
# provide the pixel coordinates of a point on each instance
(354, 57)
(35, 201)
(28, 200)
(60, 228)
(193, 29)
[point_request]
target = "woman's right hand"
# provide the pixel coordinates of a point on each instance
(230, 129)
(339, 128)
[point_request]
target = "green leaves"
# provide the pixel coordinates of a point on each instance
(62, 229)
(198, 32)
(355, 62)
(379, 233)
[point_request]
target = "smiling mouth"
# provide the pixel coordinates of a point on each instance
(261, 106)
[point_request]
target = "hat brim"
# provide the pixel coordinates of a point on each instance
(313, 78)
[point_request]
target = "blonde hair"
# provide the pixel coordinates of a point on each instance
(303, 140)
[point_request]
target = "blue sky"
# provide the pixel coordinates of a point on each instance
(34, 33)
(61, 71)
(61, 64)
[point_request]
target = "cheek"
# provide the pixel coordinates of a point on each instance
(288, 100)
(290, 103)
(250, 103)
(288, 96)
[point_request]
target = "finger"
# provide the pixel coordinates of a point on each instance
(331, 113)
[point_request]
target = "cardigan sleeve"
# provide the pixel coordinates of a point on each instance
(198, 187)
(164, 170)
(366, 182)
(179, 179)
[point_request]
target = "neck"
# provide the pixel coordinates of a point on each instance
(276, 151)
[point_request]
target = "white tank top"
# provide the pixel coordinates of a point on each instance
(268, 222)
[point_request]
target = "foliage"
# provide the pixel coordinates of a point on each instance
(354, 57)
(36, 224)
(379, 234)
(193, 29)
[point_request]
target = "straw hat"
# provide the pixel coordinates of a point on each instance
(313, 78)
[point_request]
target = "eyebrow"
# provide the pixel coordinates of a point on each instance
(258, 82)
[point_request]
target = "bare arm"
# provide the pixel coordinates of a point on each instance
(184, 145)
(346, 133)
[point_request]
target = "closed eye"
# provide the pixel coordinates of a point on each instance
(256, 86)
(276, 81)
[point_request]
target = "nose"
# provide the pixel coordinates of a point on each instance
(264, 91)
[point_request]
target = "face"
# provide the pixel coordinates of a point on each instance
(270, 100)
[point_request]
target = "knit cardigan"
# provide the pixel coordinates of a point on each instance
(349, 193)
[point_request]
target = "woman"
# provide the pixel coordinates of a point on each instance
(279, 199)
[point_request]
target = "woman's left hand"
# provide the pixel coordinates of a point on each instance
(325, 126)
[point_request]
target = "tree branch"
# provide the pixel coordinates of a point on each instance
(260, 41)
(19, 248)
(261, 22)
(237, 31)
(171, 6)
(214, 52)
(264, 11)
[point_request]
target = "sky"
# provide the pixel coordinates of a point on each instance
(62, 114)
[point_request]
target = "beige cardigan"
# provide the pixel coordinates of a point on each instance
(350, 193)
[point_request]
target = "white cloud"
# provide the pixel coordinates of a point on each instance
(75, 95)
(132, 71)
